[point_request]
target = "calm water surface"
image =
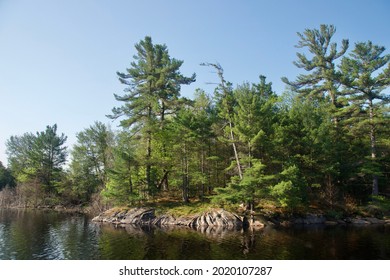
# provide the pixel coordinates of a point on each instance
(29, 234)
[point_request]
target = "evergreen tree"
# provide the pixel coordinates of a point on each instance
(254, 117)
(290, 190)
(322, 83)
(204, 117)
(48, 155)
(6, 178)
(91, 159)
(123, 186)
(225, 106)
(323, 79)
(365, 81)
(192, 127)
(38, 158)
(253, 185)
(18, 148)
(183, 128)
(153, 85)
(304, 138)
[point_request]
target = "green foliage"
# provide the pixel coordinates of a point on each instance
(253, 185)
(91, 159)
(123, 186)
(324, 141)
(382, 202)
(48, 155)
(254, 118)
(225, 104)
(38, 158)
(153, 85)
(290, 191)
(303, 139)
(6, 178)
(322, 79)
(188, 128)
(364, 82)
(356, 116)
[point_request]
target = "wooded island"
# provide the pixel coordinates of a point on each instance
(324, 143)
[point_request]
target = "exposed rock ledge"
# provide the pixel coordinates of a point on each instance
(146, 216)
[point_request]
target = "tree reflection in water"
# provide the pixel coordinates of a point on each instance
(51, 235)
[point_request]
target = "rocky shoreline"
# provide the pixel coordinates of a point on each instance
(147, 216)
(223, 218)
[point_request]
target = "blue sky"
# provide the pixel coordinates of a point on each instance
(58, 59)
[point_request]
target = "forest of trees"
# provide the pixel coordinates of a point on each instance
(325, 140)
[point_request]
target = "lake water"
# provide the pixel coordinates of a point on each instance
(34, 234)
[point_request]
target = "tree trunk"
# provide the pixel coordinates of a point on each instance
(185, 183)
(203, 173)
(164, 181)
(149, 153)
(235, 150)
(375, 187)
(130, 182)
(148, 165)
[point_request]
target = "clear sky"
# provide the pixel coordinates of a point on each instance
(58, 59)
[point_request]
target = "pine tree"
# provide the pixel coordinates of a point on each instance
(323, 83)
(204, 117)
(304, 138)
(38, 157)
(365, 81)
(254, 116)
(153, 84)
(254, 184)
(290, 189)
(192, 128)
(323, 79)
(225, 107)
(49, 154)
(91, 160)
(123, 176)
(183, 129)
(18, 148)
(6, 178)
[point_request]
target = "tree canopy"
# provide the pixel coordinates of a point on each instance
(323, 142)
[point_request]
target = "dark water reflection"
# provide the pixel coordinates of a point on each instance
(29, 234)
(51, 235)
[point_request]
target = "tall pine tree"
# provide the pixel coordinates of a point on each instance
(152, 90)
(365, 80)
(323, 78)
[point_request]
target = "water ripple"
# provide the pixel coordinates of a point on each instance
(51, 235)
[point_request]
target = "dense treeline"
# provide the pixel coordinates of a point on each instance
(325, 140)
